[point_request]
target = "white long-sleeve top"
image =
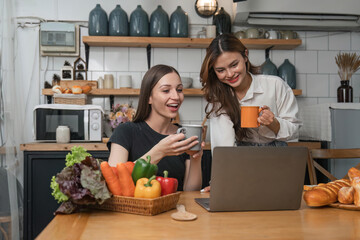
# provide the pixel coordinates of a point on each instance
(267, 90)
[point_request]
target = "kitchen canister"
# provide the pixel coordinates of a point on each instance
(125, 81)
(118, 22)
(287, 72)
(269, 68)
(222, 21)
(179, 23)
(98, 22)
(159, 23)
(100, 82)
(62, 134)
(139, 23)
(108, 81)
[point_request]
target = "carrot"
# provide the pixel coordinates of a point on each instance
(115, 171)
(125, 179)
(111, 179)
(130, 166)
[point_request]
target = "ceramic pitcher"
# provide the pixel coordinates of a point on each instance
(255, 33)
(288, 34)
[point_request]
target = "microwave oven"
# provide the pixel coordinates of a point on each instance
(84, 121)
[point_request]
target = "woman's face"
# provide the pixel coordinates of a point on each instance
(230, 68)
(167, 96)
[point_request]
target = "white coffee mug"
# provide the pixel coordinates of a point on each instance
(125, 81)
(210, 31)
(192, 130)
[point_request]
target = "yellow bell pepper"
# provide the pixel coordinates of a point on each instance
(147, 188)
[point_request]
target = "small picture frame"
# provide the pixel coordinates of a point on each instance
(67, 73)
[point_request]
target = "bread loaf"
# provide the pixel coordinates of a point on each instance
(354, 175)
(325, 194)
(346, 195)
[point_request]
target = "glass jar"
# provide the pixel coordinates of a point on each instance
(62, 134)
(345, 92)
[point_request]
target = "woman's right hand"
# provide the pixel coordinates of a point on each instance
(172, 145)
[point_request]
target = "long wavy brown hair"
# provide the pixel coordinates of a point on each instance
(219, 95)
(151, 77)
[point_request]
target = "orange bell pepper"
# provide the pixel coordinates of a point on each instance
(147, 188)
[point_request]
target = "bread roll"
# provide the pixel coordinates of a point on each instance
(56, 89)
(355, 183)
(76, 89)
(86, 88)
(325, 194)
(346, 195)
(353, 173)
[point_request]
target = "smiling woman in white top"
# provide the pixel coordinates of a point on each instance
(231, 81)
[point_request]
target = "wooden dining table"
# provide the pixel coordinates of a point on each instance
(305, 223)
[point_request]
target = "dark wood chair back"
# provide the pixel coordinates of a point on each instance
(331, 154)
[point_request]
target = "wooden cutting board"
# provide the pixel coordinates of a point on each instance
(345, 206)
(70, 83)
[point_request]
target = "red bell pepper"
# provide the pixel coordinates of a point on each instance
(168, 185)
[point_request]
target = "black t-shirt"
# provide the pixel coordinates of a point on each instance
(138, 139)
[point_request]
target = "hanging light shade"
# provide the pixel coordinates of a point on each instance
(206, 8)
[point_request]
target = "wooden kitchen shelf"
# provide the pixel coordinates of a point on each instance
(170, 42)
(136, 92)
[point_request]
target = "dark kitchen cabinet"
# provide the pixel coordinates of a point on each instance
(39, 204)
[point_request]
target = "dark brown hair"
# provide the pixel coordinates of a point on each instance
(151, 77)
(221, 95)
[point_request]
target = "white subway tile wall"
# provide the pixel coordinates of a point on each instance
(314, 61)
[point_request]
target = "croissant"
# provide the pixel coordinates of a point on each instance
(346, 195)
(325, 194)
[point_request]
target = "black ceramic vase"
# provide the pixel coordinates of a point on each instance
(222, 21)
(287, 72)
(118, 22)
(269, 68)
(345, 92)
(179, 23)
(159, 23)
(139, 23)
(98, 22)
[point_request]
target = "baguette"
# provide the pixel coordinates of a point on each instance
(325, 194)
(346, 195)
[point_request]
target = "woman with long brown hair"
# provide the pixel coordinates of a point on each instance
(152, 132)
(230, 81)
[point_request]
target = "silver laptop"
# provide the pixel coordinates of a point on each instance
(256, 179)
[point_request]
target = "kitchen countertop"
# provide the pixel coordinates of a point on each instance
(305, 223)
(101, 146)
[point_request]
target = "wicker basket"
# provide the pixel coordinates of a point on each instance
(77, 99)
(141, 206)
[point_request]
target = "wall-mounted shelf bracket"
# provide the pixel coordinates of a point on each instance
(267, 51)
(148, 54)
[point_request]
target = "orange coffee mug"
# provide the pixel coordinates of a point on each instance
(249, 116)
